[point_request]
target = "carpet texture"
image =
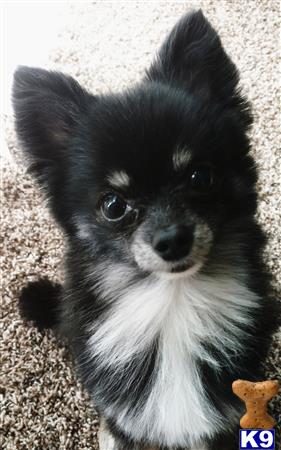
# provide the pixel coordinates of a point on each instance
(106, 45)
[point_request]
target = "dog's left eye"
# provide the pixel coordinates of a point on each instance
(113, 207)
(201, 178)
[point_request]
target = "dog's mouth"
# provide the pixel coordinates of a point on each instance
(183, 267)
(181, 270)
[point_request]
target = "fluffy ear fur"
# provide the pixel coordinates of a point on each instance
(51, 112)
(192, 57)
(48, 108)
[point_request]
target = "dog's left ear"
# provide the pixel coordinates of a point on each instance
(193, 57)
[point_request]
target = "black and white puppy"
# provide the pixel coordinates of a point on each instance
(165, 300)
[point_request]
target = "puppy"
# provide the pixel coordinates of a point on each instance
(165, 300)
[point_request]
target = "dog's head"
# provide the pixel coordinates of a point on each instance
(157, 177)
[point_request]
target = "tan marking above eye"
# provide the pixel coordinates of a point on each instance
(181, 158)
(119, 179)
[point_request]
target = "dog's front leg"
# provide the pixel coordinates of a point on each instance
(106, 440)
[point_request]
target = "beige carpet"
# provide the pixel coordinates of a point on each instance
(106, 45)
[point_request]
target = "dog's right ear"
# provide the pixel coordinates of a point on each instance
(49, 108)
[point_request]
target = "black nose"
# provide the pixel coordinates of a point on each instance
(173, 242)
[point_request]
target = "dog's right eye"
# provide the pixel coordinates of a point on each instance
(114, 207)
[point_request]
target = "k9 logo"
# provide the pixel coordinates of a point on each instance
(257, 439)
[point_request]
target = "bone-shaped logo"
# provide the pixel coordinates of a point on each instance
(256, 396)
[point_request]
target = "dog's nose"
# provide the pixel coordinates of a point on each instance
(174, 242)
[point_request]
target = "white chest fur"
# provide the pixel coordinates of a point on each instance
(185, 313)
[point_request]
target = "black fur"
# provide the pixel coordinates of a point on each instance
(189, 98)
(39, 302)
